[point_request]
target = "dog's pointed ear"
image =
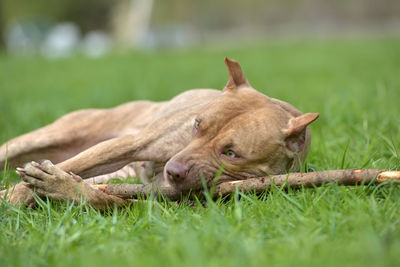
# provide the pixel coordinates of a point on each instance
(236, 75)
(295, 134)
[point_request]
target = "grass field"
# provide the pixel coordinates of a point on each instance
(353, 84)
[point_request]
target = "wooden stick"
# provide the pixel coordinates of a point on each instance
(260, 184)
(135, 191)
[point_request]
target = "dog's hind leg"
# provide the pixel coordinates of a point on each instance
(76, 132)
(58, 141)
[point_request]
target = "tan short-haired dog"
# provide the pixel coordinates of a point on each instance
(238, 131)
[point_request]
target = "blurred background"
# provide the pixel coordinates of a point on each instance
(93, 27)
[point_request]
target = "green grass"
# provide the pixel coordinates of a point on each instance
(353, 84)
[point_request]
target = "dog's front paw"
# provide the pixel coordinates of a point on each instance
(46, 179)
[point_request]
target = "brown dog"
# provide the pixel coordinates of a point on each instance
(239, 132)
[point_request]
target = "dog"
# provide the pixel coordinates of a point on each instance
(237, 132)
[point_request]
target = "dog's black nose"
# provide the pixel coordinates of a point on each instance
(176, 171)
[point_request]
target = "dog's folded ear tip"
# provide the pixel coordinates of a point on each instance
(298, 124)
(314, 116)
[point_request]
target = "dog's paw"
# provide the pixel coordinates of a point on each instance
(46, 179)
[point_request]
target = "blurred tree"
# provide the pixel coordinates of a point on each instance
(130, 21)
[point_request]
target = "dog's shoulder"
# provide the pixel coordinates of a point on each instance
(196, 95)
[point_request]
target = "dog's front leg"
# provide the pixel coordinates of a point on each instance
(106, 157)
(150, 145)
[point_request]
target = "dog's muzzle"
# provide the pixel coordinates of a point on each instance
(176, 171)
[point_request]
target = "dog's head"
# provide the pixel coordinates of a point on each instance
(241, 134)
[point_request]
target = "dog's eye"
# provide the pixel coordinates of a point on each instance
(196, 124)
(230, 153)
(196, 127)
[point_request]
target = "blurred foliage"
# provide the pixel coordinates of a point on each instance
(209, 14)
(90, 14)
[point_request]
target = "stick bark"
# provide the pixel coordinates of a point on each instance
(260, 184)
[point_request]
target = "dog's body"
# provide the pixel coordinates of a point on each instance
(238, 131)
